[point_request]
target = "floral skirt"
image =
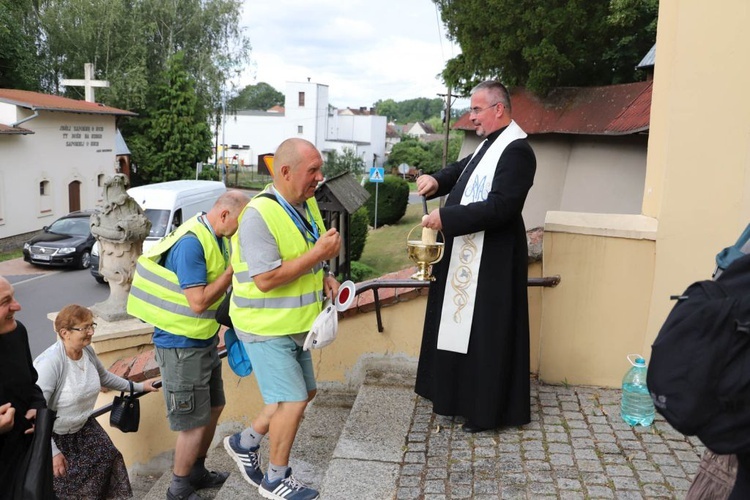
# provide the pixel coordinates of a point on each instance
(96, 469)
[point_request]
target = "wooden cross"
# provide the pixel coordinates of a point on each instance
(88, 82)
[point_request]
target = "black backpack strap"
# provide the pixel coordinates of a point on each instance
(270, 196)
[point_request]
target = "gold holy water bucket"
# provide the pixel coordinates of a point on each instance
(425, 252)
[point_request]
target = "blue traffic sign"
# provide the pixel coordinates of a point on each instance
(377, 174)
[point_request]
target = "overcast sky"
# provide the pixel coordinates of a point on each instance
(364, 50)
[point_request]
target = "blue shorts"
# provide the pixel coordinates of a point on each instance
(283, 370)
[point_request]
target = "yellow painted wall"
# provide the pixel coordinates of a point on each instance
(597, 315)
(697, 182)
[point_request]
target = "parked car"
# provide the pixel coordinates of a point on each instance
(95, 264)
(65, 242)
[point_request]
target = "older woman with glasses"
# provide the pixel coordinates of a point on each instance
(85, 462)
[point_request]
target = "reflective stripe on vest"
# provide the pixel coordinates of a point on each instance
(155, 295)
(290, 308)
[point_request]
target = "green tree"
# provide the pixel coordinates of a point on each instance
(388, 108)
(20, 66)
(337, 163)
(411, 110)
(177, 136)
(425, 156)
(541, 44)
(410, 151)
(261, 96)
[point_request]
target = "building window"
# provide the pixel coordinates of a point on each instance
(301, 99)
(45, 198)
(299, 129)
(100, 180)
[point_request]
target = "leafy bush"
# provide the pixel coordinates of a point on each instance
(393, 197)
(357, 233)
(209, 173)
(362, 272)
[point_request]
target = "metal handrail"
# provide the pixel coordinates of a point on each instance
(375, 285)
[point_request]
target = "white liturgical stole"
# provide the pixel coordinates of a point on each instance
(461, 282)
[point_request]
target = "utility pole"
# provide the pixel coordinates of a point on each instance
(447, 122)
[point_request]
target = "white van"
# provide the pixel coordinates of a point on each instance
(167, 205)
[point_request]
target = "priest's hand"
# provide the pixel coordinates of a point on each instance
(427, 185)
(432, 220)
(31, 417)
(7, 413)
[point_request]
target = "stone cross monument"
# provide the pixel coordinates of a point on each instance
(120, 228)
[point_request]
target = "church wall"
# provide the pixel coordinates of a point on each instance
(614, 293)
(605, 175)
(64, 148)
(698, 179)
(597, 315)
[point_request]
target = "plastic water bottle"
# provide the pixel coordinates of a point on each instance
(636, 406)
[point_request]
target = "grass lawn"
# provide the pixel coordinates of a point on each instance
(385, 249)
(13, 254)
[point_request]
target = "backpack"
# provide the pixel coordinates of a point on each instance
(699, 371)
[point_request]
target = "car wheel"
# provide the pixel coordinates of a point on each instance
(85, 260)
(100, 279)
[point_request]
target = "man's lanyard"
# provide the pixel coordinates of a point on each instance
(309, 229)
(202, 219)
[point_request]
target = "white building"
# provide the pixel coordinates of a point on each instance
(307, 114)
(54, 156)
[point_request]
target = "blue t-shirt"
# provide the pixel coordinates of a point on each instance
(187, 261)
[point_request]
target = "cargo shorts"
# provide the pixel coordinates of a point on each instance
(192, 384)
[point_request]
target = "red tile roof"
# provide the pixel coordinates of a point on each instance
(46, 102)
(8, 130)
(609, 110)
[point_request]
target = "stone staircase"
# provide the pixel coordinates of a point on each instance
(359, 436)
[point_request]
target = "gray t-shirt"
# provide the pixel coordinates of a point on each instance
(260, 251)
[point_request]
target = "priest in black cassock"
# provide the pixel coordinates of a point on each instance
(20, 397)
(474, 359)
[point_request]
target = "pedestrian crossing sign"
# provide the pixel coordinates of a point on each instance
(377, 174)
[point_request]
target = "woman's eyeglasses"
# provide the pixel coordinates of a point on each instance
(87, 328)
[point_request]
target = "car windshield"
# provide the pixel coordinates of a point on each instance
(159, 220)
(74, 226)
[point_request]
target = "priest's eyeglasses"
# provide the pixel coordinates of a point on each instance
(475, 110)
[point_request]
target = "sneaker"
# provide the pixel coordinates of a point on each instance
(286, 489)
(248, 459)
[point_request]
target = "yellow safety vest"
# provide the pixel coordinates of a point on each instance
(290, 308)
(156, 297)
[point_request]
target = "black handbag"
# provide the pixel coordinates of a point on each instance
(126, 411)
(222, 313)
(36, 482)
